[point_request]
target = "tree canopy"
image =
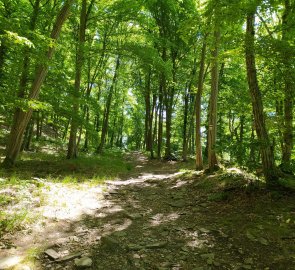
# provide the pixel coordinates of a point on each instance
(164, 76)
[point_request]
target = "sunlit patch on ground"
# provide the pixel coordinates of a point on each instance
(70, 203)
(163, 218)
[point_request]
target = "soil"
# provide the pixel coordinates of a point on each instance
(160, 218)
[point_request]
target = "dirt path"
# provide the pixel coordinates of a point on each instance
(159, 218)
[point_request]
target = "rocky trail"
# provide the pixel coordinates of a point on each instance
(157, 218)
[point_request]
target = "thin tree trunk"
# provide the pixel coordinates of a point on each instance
(169, 93)
(212, 127)
(184, 131)
(155, 134)
(22, 118)
(147, 98)
(150, 134)
(160, 121)
(261, 131)
(199, 157)
(72, 146)
(105, 124)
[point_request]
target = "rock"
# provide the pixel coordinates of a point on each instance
(134, 247)
(9, 262)
(136, 256)
(83, 262)
(52, 254)
(69, 257)
(74, 238)
(203, 230)
(156, 245)
(178, 203)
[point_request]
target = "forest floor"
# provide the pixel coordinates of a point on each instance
(155, 215)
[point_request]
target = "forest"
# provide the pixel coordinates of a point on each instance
(158, 133)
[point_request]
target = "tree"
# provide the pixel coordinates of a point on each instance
(212, 125)
(199, 158)
(257, 105)
(288, 85)
(21, 117)
(72, 146)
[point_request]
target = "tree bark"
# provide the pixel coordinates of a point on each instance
(147, 98)
(21, 119)
(261, 131)
(212, 127)
(169, 93)
(160, 118)
(185, 116)
(288, 89)
(72, 146)
(107, 110)
(199, 157)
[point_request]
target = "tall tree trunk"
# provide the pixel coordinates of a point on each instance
(199, 157)
(288, 89)
(155, 133)
(212, 127)
(107, 110)
(150, 134)
(147, 98)
(261, 131)
(72, 146)
(185, 116)
(169, 93)
(160, 120)
(119, 141)
(22, 118)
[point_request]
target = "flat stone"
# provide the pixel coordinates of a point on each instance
(204, 230)
(178, 203)
(156, 245)
(52, 254)
(134, 247)
(70, 257)
(83, 262)
(9, 262)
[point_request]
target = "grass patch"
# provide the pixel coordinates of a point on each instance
(12, 222)
(85, 168)
(288, 182)
(218, 196)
